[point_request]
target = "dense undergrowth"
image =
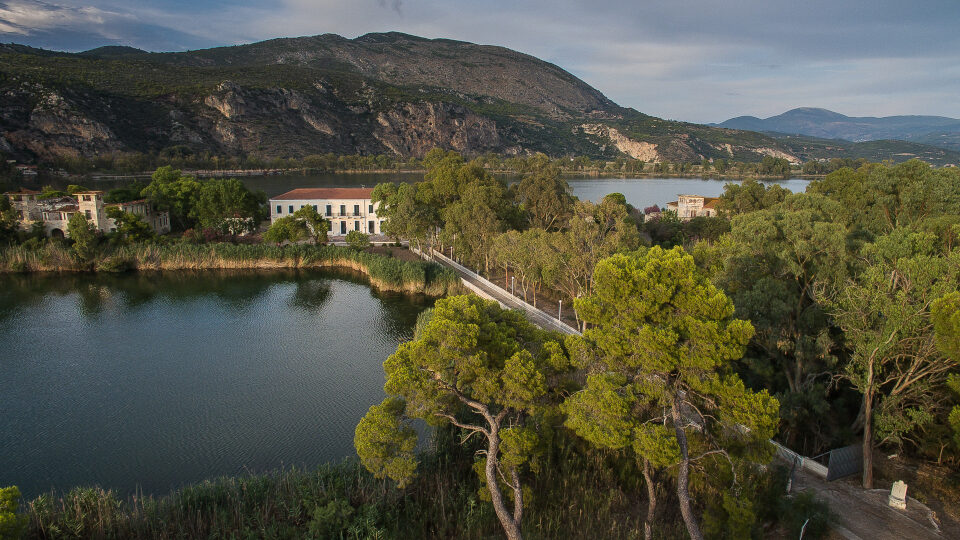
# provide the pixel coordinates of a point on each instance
(384, 272)
(577, 494)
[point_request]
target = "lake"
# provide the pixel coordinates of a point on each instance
(640, 192)
(149, 381)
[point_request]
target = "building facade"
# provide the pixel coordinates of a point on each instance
(345, 209)
(688, 207)
(56, 212)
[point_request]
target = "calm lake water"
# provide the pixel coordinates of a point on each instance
(153, 381)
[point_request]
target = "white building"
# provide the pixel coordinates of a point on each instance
(688, 207)
(55, 213)
(345, 209)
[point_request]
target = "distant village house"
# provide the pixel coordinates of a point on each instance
(345, 209)
(688, 207)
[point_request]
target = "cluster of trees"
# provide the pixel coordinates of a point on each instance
(850, 290)
(845, 285)
(835, 164)
(535, 229)
(222, 205)
(651, 376)
(183, 157)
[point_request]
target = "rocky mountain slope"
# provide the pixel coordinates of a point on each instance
(932, 130)
(378, 93)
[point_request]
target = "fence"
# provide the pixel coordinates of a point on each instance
(487, 289)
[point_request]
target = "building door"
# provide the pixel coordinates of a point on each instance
(372, 227)
(343, 227)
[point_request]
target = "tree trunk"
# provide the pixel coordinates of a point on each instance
(683, 476)
(651, 499)
(517, 497)
(510, 527)
(868, 432)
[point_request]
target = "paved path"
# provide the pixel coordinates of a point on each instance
(485, 289)
(865, 515)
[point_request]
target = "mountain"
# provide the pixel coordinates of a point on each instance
(378, 93)
(932, 130)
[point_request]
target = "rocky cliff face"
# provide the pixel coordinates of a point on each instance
(380, 93)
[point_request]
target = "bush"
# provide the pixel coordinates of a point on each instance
(802, 507)
(358, 240)
(12, 524)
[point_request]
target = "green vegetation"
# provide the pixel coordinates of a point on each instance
(485, 370)
(384, 272)
(358, 240)
(12, 524)
(820, 319)
(84, 236)
(305, 223)
(658, 351)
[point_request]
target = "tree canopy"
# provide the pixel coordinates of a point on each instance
(485, 370)
(659, 348)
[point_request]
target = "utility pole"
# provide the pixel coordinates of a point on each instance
(560, 310)
(513, 285)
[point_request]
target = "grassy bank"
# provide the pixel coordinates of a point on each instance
(385, 273)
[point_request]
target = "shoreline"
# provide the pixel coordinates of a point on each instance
(241, 173)
(387, 274)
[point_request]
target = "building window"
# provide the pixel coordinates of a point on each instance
(290, 208)
(329, 225)
(329, 210)
(86, 197)
(343, 227)
(314, 208)
(372, 227)
(343, 209)
(279, 209)
(356, 225)
(87, 212)
(370, 208)
(356, 209)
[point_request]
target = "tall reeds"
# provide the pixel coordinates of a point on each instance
(384, 272)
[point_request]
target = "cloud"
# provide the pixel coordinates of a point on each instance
(33, 16)
(394, 4)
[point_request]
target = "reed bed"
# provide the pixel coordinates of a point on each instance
(575, 496)
(384, 272)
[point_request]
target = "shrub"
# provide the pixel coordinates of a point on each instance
(12, 524)
(358, 240)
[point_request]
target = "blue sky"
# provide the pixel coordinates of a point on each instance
(694, 60)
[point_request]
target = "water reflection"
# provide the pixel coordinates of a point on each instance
(156, 380)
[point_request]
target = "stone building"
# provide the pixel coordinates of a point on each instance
(688, 207)
(56, 212)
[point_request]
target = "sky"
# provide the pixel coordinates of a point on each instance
(695, 60)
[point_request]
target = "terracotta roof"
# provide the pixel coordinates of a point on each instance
(93, 192)
(324, 193)
(22, 191)
(710, 202)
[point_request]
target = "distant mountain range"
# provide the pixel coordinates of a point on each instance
(933, 130)
(378, 93)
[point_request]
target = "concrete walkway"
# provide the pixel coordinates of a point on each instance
(483, 288)
(865, 515)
